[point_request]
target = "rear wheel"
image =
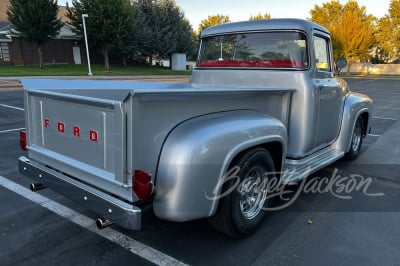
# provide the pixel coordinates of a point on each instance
(242, 210)
(356, 140)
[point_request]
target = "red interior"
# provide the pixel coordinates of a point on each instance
(277, 63)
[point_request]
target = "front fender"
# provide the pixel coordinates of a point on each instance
(356, 104)
(198, 152)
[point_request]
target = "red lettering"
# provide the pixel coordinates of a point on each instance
(94, 135)
(61, 127)
(77, 131)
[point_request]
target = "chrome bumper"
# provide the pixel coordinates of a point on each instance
(111, 208)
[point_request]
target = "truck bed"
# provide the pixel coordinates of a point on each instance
(98, 132)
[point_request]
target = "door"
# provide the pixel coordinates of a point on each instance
(77, 55)
(330, 95)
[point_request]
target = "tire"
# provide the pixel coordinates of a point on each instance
(241, 211)
(356, 140)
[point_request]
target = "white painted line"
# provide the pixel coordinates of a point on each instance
(374, 135)
(364, 81)
(12, 107)
(384, 118)
(11, 130)
(128, 243)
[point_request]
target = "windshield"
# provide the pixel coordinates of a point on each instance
(255, 50)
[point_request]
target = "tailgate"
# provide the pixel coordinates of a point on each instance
(81, 132)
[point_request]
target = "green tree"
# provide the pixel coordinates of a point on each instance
(260, 16)
(127, 47)
(388, 35)
(213, 21)
(109, 23)
(186, 39)
(36, 21)
(163, 29)
(351, 28)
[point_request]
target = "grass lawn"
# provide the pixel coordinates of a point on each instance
(82, 70)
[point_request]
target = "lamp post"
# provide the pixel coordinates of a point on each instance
(86, 43)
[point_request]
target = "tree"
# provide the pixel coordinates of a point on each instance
(127, 47)
(212, 21)
(36, 21)
(351, 28)
(259, 16)
(388, 35)
(162, 29)
(108, 24)
(186, 40)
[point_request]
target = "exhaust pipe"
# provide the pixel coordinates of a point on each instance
(103, 223)
(36, 186)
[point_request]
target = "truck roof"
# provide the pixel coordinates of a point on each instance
(262, 25)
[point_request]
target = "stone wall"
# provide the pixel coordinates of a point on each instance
(374, 69)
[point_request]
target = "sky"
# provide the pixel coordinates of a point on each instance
(238, 10)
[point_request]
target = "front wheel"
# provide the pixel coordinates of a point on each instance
(356, 140)
(242, 210)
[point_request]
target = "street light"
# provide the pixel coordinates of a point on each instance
(86, 42)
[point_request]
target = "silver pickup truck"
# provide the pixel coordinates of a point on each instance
(263, 102)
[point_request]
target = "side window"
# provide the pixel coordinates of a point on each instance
(321, 50)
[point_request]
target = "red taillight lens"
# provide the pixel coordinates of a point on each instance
(22, 140)
(142, 185)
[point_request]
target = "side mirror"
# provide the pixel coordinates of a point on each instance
(340, 64)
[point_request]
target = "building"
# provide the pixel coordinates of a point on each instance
(66, 48)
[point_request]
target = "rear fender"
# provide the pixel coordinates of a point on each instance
(197, 154)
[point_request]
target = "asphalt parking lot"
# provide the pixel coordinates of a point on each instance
(357, 228)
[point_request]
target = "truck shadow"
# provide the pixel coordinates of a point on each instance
(196, 242)
(191, 241)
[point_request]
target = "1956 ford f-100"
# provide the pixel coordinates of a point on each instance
(263, 102)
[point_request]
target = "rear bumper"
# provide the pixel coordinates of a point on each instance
(119, 212)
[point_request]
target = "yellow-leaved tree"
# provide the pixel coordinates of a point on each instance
(213, 21)
(388, 35)
(260, 16)
(351, 27)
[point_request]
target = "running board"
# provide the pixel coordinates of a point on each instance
(296, 170)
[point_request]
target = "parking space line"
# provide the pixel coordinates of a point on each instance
(126, 242)
(374, 135)
(384, 118)
(364, 81)
(12, 107)
(11, 130)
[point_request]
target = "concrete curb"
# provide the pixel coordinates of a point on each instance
(97, 77)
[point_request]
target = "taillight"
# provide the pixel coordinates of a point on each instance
(142, 185)
(22, 139)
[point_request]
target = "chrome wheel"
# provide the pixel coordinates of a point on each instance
(357, 135)
(356, 140)
(240, 212)
(252, 192)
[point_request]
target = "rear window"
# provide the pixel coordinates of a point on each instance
(255, 50)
